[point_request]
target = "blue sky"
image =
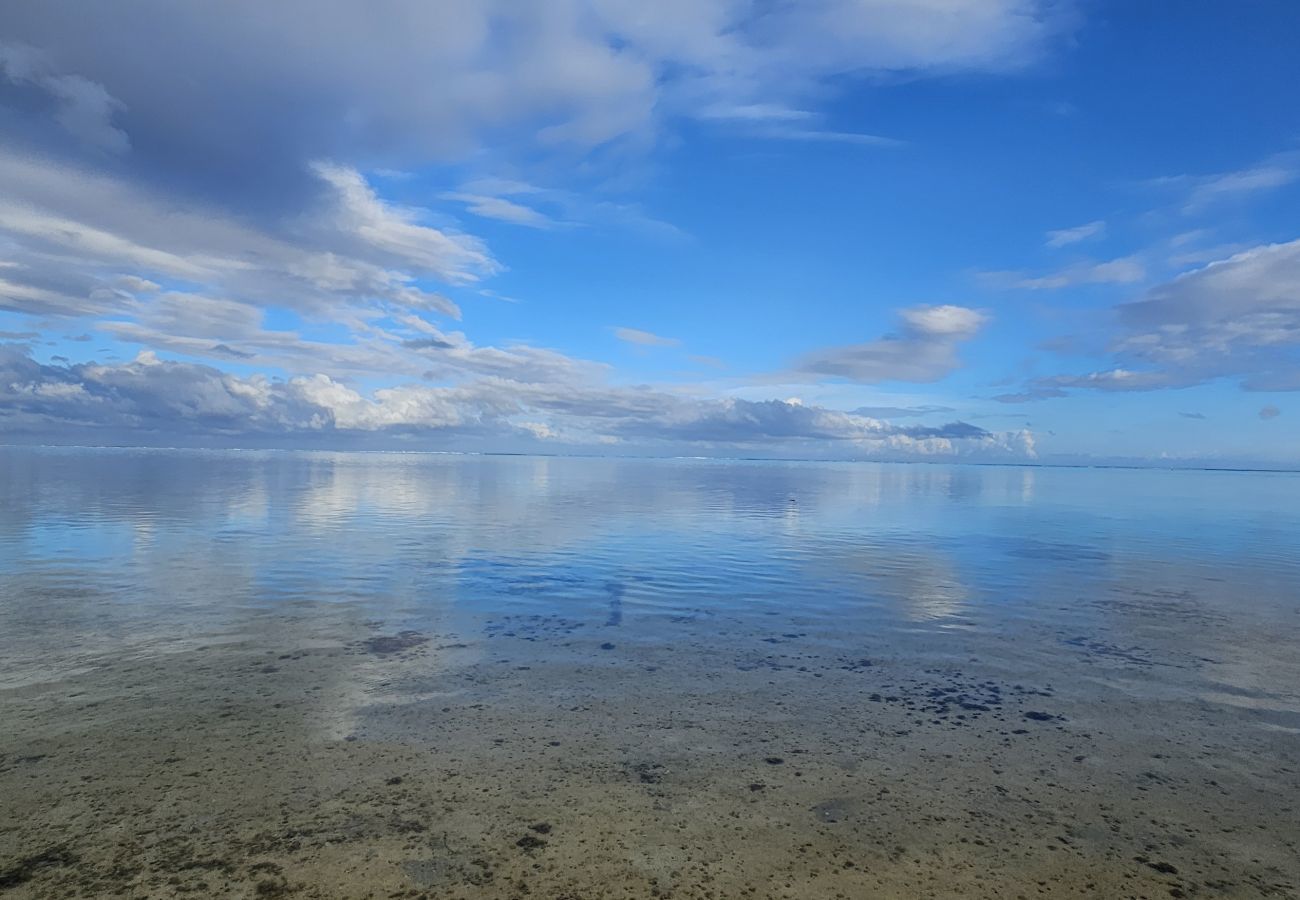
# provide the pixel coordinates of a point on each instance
(992, 230)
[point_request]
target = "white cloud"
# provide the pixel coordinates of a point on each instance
(644, 338)
(82, 242)
(1125, 270)
(394, 232)
(755, 112)
(545, 207)
(1240, 310)
(1237, 317)
(150, 398)
(1210, 189)
(925, 350)
(237, 188)
(304, 79)
(823, 136)
(502, 210)
(957, 322)
(1066, 236)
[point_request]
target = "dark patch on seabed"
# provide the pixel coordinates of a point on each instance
(385, 644)
(26, 868)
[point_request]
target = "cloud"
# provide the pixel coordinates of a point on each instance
(1269, 412)
(900, 412)
(924, 350)
(84, 108)
(428, 343)
(1192, 415)
(154, 399)
(430, 82)
(711, 361)
(644, 338)
(1037, 392)
(734, 420)
(504, 199)
(85, 244)
(1207, 190)
(224, 214)
(1125, 270)
(774, 121)
(361, 220)
(1237, 317)
(1066, 236)
(818, 136)
(755, 112)
(502, 210)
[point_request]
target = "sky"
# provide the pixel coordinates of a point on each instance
(1048, 231)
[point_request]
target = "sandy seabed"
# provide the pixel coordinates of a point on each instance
(533, 756)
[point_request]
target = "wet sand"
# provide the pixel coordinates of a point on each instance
(765, 755)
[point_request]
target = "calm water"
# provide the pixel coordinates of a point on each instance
(975, 680)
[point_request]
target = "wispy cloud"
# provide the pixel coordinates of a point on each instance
(813, 135)
(87, 244)
(1227, 185)
(644, 338)
(522, 203)
(712, 362)
(1200, 192)
(755, 112)
(1125, 270)
(901, 412)
(501, 209)
(1067, 236)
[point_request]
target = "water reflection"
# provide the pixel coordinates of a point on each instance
(135, 547)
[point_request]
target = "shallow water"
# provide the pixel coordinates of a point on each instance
(343, 675)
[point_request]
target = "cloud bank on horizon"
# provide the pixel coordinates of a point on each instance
(931, 229)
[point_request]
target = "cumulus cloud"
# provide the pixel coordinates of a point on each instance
(148, 398)
(923, 350)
